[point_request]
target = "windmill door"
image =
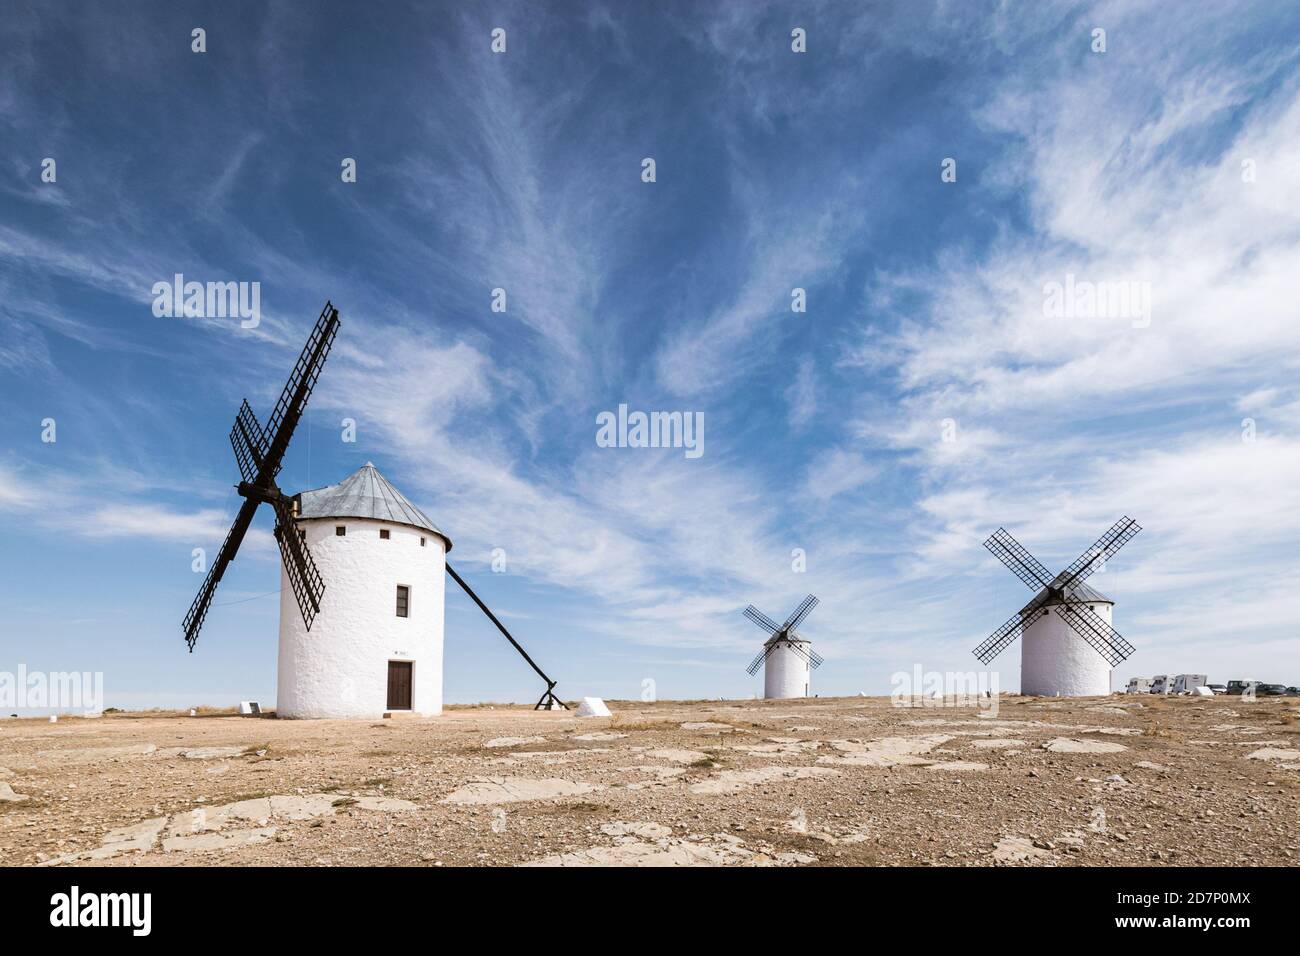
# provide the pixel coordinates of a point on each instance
(399, 685)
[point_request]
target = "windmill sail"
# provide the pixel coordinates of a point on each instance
(1105, 547)
(759, 658)
(1004, 636)
(761, 619)
(1101, 637)
(802, 611)
(199, 609)
(1014, 555)
(249, 442)
(308, 588)
(259, 454)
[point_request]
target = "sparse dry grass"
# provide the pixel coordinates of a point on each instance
(620, 723)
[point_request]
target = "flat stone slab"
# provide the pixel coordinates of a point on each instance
(206, 828)
(516, 789)
(709, 726)
(997, 743)
(217, 840)
(789, 748)
(886, 752)
(675, 755)
(600, 735)
(1068, 745)
(1274, 753)
(650, 831)
(734, 781)
(95, 754)
(7, 794)
(1014, 849)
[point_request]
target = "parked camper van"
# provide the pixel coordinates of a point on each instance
(1160, 684)
(1138, 685)
(1187, 683)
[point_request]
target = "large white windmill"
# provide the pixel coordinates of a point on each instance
(1069, 653)
(377, 646)
(788, 658)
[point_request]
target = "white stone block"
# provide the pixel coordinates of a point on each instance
(593, 707)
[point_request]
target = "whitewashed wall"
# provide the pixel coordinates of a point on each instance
(1056, 660)
(785, 673)
(340, 667)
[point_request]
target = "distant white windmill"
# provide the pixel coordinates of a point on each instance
(789, 658)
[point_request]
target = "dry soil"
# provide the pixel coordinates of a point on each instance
(855, 781)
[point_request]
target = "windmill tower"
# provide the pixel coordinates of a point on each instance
(1068, 653)
(377, 646)
(788, 659)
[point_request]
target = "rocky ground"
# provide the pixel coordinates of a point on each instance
(856, 781)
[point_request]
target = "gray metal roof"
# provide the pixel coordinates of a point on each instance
(1083, 592)
(365, 494)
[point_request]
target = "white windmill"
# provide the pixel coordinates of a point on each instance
(377, 643)
(1069, 653)
(789, 658)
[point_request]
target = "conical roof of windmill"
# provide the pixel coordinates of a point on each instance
(365, 494)
(1081, 591)
(793, 638)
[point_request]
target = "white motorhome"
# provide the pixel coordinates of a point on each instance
(1138, 685)
(1160, 684)
(1187, 683)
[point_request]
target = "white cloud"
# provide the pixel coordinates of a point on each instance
(801, 394)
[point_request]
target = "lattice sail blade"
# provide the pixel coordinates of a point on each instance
(308, 587)
(203, 600)
(284, 419)
(1105, 547)
(757, 662)
(1092, 627)
(806, 654)
(1016, 557)
(1002, 638)
(802, 611)
(799, 651)
(249, 442)
(761, 619)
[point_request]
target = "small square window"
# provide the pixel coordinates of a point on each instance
(422, 542)
(383, 533)
(340, 529)
(403, 600)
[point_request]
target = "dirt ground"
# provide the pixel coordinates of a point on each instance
(853, 781)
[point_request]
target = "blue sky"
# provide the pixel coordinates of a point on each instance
(775, 170)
